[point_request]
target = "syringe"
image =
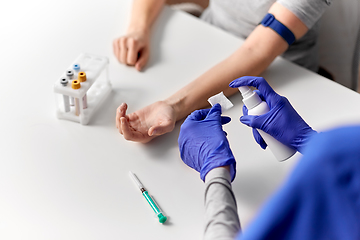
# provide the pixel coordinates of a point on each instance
(148, 198)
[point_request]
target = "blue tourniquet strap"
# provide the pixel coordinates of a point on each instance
(270, 21)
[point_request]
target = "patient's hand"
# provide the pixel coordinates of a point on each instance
(133, 49)
(147, 123)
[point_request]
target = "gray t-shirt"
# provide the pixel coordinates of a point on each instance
(240, 17)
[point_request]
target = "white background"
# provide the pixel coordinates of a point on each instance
(62, 180)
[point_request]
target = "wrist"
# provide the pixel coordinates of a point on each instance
(185, 102)
(227, 167)
(217, 172)
(304, 143)
(224, 161)
(143, 29)
(177, 103)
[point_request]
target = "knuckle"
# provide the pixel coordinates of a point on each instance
(261, 79)
(132, 60)
(284, 99)
(131, 42)
(122, 41)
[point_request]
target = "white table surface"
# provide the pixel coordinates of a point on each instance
(62, 180)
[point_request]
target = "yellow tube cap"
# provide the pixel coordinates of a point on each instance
(75, 84)
(82, 76)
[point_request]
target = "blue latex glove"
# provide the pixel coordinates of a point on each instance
(282, 121)
(203, 144)
(321, 198)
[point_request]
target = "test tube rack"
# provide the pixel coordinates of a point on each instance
(82, 88)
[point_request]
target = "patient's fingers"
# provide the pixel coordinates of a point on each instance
(116, 48)
(160, 129)
(125, 128)
(120, 112)
(144, 57)
(133, 49)
(123, 50)
(130, 133)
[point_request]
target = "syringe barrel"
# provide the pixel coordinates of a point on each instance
(153, 205)
(151, 202)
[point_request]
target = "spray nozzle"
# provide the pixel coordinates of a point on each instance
(245, 91)
(250, 98)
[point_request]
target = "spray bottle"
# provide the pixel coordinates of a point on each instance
(258, 107)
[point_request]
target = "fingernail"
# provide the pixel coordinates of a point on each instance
(154, 133)
(120, 108)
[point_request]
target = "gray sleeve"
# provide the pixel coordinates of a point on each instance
(308, 11)
(221, 217)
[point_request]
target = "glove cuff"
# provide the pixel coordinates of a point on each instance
(301, 144)
(221, 156)
(229, 162)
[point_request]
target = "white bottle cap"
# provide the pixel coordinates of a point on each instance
(250, 98)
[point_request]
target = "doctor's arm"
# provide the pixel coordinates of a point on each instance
(204, 147)
(221, 216)
(258, 51)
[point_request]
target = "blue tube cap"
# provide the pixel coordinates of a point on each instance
(76, 67)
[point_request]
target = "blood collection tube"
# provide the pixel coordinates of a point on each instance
(76, 67)
(82, 78)
(64, 82)
(76, 85)
(70, 75)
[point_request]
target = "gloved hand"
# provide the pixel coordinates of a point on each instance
(320, 199)
(203, 144)
(282, 121)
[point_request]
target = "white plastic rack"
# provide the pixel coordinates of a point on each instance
(82, 88)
